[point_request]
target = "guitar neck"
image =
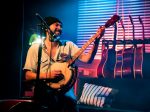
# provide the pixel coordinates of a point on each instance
(131, 20)
(124, 38)
(143, 37)
(134, 40)
(110, 22)
(141, 22)
(77, 54)
(115, 36)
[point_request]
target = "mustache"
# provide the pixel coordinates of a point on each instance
(60, 31)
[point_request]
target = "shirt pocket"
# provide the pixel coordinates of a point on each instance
(64, 57)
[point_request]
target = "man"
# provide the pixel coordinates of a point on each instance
(55, 50)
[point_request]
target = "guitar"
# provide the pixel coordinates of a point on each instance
(119, 57)
(138, 57)
(69, 72)
(100, 72)
(108, 67)
(127, 68)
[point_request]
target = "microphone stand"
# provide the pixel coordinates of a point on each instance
(38, 85)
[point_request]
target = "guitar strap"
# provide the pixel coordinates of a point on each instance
(42, 92)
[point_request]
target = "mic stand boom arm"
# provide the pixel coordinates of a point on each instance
(43, 23)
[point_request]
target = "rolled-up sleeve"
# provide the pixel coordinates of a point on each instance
(31, 58)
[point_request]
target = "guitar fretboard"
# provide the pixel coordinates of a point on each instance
(85, 46)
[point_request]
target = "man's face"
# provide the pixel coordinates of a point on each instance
(56, 28)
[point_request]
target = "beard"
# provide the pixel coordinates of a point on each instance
(54, 38)
(55, 35)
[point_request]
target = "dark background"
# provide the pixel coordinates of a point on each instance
(11, 30)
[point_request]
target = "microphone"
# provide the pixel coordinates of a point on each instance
(45, 25)
(42, 20)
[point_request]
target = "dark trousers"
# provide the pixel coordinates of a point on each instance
(53, 101)
(62, 103)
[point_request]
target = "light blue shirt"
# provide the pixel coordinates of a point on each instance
(65, 51)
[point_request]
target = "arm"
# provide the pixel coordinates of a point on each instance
(29, 75)
(89, 57)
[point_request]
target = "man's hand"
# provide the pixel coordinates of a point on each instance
(55, 73)
(56, 76)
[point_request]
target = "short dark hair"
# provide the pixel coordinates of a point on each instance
(50, 20)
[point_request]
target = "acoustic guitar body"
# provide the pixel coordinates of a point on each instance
(138, 62)
(127, 68)
(118, 66)
(100, 71)
(108, 69)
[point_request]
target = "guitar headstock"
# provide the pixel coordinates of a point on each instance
(112, 20)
